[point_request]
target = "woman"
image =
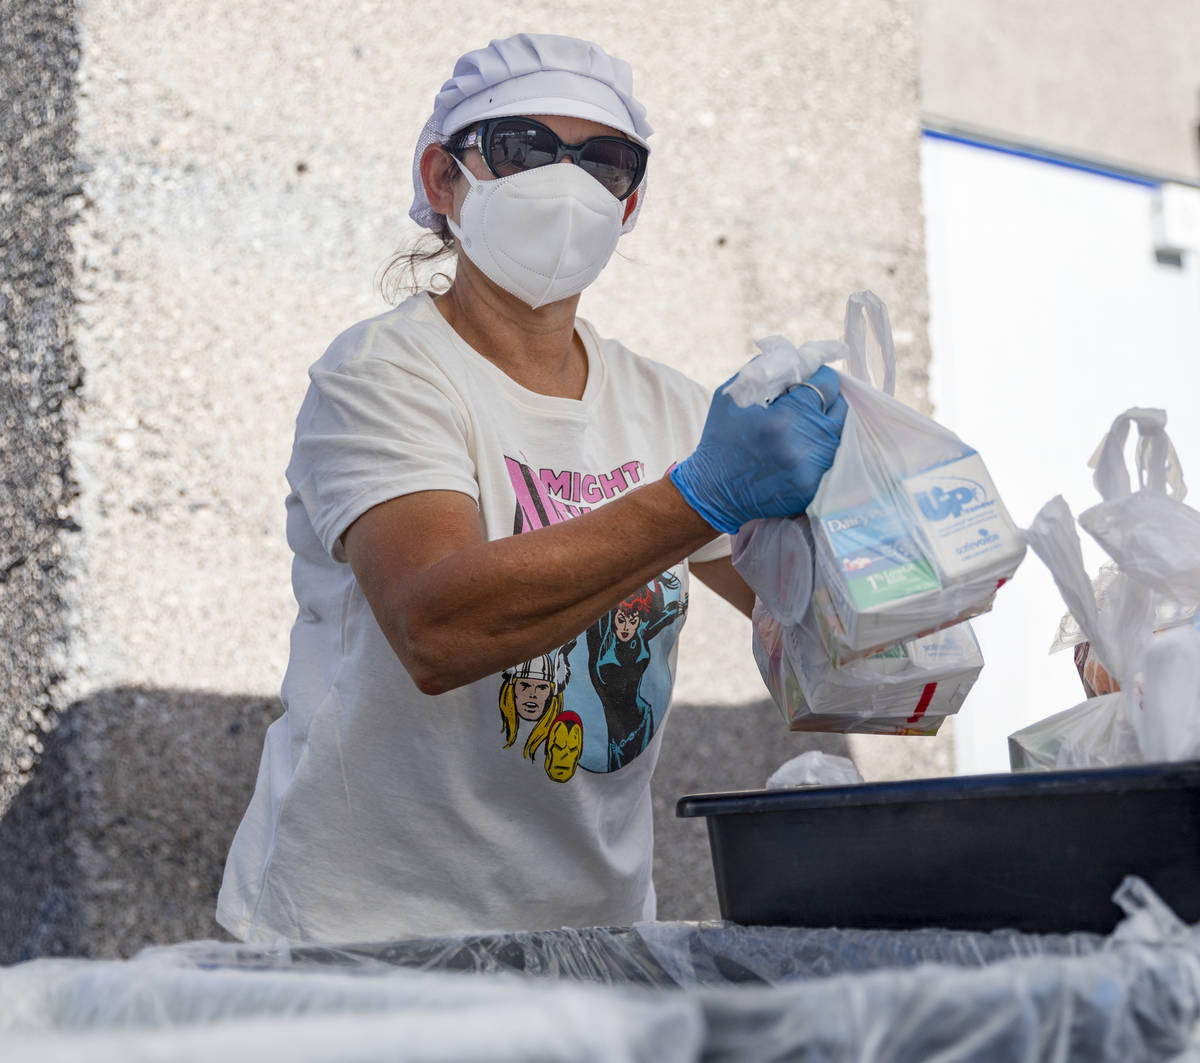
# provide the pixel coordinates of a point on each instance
(477, 478)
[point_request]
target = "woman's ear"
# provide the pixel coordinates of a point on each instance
(438, 172)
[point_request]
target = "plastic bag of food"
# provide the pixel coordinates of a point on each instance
(1149, 533)
(1098, 731)
(1093, 734)
(1154, 719)
(910, 534)
(908, 689)
(1169, 612)
(1154, 714)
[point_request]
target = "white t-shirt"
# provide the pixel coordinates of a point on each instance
(520, 801)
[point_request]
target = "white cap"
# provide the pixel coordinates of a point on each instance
(531, 73)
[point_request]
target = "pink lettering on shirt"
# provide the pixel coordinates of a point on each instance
(550, 496)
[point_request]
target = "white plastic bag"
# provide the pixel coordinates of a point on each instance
(774, 557)
(1149, 533)
(1164, 704)
(1097, 732)
(907, 689)
(1093, 734)
(910, 535)
(1118, 631)
(1169, 611)
(814, 768)
(1155, 540)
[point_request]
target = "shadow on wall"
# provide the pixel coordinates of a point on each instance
(119, 840)
(711, 749)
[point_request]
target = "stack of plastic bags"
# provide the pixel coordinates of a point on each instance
(860, 624)
(1139, 617)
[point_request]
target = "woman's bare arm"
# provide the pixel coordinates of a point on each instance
(722, 577)
(456, 607)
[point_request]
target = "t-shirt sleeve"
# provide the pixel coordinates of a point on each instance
(698, 399)
(371, 430)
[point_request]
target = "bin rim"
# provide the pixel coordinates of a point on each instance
(1180, 774)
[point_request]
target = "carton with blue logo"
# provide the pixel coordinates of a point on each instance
(909, 535)
(964, 525)
(905, 545)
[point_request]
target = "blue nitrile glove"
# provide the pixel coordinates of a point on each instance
(763, 461)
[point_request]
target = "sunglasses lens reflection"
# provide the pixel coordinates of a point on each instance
(514, 146)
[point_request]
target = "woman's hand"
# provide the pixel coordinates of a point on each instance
(763, 461)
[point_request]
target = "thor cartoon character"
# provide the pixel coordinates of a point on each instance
(533, 691)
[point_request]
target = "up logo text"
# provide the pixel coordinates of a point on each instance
(938, 503)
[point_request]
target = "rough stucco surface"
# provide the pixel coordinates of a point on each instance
(248, 177)
(39, 373)
(1114, 81)
(243, 210)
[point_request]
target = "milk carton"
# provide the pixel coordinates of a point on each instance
(963, 524)
(923, 552)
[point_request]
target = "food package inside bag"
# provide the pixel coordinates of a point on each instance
(907, 689)
(907, 531)
(910, 534)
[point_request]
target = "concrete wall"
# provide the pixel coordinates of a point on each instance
(39, 373)
(1115, 80)
(248, 176)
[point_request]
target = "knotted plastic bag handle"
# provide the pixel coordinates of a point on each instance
(1155, 459)
(781, 366)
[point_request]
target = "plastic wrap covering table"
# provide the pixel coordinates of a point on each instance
(658, 992)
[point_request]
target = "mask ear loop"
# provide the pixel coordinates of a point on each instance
(472, 182)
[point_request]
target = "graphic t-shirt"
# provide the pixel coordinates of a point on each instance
(520, 801)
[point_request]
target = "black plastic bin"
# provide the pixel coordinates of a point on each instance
(1040, 852)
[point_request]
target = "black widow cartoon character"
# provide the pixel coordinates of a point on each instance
(618, 655)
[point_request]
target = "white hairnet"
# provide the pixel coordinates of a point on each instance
(531, 73)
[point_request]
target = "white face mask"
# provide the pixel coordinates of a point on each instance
(542, 234)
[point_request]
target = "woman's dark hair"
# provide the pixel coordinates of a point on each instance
(401, 275)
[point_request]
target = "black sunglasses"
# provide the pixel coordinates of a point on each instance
(511, 145)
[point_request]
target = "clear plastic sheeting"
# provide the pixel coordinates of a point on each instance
(656, 991)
